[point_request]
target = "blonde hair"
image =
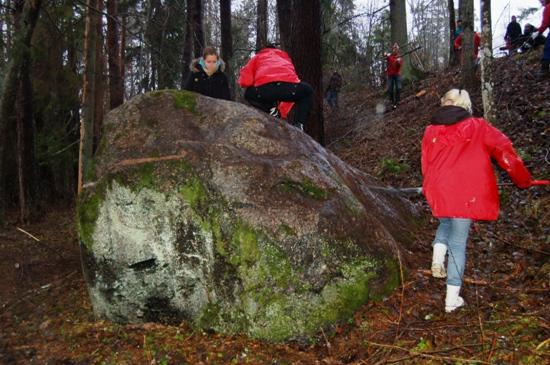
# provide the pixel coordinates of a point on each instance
(457, 97)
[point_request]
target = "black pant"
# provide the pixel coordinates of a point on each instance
(266, 96)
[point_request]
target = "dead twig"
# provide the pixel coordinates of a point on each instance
(466, 280)
(28, 234)
(493, 346)
(402, 296)
(429, 355)
(329, 346)
(139, 161)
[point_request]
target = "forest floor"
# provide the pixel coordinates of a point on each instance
(46, 316)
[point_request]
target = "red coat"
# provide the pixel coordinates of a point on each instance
(545, 19)
(268, 65)
(458, 178)
(477, 43)
(394, 65)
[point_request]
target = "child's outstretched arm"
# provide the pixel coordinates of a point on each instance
(500, 148)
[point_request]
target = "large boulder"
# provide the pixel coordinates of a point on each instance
(209, 211)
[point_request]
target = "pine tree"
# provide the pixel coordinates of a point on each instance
(116, 83)
(261, 24)
(306, 54)
(19, 63)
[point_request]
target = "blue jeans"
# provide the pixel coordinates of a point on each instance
(453, 232)
(394, 88)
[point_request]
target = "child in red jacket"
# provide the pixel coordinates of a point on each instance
(459, 182)
(393, 70)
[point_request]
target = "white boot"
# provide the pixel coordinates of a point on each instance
(452, 299)
(438, 260)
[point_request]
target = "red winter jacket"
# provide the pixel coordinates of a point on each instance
(394, 65)
(545, 19)
(458, 179)
(268, 65)
(477, 43)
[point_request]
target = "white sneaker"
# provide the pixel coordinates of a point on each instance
(274, 112)
(438, 260)
(452, 299)
(438, 270)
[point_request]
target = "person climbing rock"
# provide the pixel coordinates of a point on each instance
(513, 35)
(393, 71)
(459, 182)
(333, 88)
(270, 78)
(207, 76)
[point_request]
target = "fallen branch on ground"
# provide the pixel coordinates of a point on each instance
(466, 280)
(28, 234)
(428, 355)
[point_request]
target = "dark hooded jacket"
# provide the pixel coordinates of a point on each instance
(215, 86)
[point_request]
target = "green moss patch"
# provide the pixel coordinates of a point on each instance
(183, 99)
(87, 212)
(306, 188)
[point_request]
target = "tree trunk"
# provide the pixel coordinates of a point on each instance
(2, 37)
(9, 30)
(284, 18)
(198, 30)
(468, 66)
(100, 76)
(25, 144)
(25, 132)
(12, 81)
(116, 88)
(188, 41)
(486, 63)
(227, 41)
(453, 61)
(261, 24)
(306, 54)
(153, 45)
(398, 20)
(122, 54)
(88, 95)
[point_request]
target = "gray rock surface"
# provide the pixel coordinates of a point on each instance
(212, 212)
